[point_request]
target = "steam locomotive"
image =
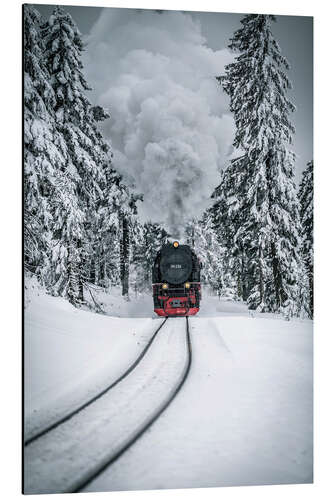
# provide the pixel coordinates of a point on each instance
(176, 281)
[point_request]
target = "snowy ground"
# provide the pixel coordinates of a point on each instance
(71, 354)
(243, 417)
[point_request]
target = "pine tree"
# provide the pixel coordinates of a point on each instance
(269, 232)
(76, 117)
(124, 254)
(229, 217)
(103, 252)
(67, 232)
(147, 241)
(305, 195)
(137, 270)
(126, 211)
(77, 208)
(88, 155)
(208, 243)
(43, 148)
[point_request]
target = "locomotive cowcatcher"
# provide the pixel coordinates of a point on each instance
(176, 281)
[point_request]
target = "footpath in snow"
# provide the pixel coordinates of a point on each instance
(243, 417)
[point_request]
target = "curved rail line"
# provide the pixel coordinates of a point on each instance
(99, 394)
(96, 471)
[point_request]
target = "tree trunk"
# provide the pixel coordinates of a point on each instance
(261, 284)
(124, 255)
(261, 278)
(92, 273)
(96, 271)
(276, 277)
(72, 270)
(80, 272)
(311, 288)
(244, 278)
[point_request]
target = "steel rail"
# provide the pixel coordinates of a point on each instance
(98, 395)
(99, 468)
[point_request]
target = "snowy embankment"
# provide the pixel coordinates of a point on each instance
(243, 417)
(71, 354)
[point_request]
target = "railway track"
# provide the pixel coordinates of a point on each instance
(110, 460)
(179, 352)
(101, 393)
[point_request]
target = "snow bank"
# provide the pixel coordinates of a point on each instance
(70, 354)
(113, 303)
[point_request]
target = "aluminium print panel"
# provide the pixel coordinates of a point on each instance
(168, 249)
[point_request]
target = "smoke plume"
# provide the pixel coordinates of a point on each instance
(170, 128)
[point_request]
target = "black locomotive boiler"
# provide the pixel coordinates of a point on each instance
(176, 281)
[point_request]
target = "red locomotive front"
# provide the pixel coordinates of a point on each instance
(176, 281)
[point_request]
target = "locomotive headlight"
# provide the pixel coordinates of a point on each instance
(176, 244)
(165, 286)
(187, 285)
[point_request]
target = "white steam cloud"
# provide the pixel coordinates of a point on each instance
(169, 126)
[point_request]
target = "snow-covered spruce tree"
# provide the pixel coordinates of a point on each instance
(228, 218)
(103, 244)
(88, 154)
(305, 195)
(43, 149)
(67, 233)
(127, 212)
(124, 254)
(147, 241)
(137, 271)
(154, 236)
(112, 234)
(102, 248)
(210, 248)
(257, 85)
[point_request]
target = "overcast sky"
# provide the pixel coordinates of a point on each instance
(180, 111)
